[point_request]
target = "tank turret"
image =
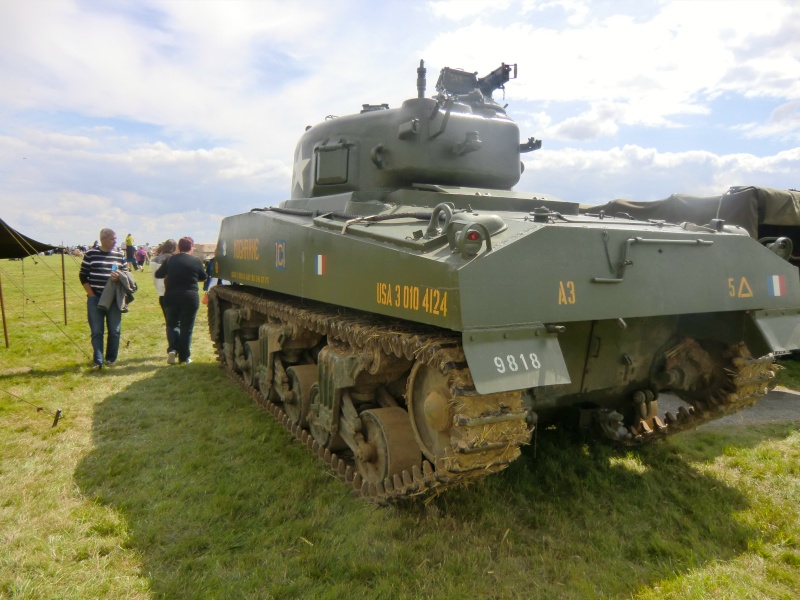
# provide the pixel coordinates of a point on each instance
(460, 137)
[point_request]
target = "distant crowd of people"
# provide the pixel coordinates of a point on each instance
(137, 256)
(106, 275)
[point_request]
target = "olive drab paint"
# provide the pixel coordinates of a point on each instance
(408, 213)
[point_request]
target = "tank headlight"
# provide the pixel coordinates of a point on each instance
(468, 236)
(471, 238)
(472, 242)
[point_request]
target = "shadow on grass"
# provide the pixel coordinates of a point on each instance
(126, 366)
(220, 503)
(601, 521)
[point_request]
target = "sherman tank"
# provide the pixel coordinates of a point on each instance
(412, 319)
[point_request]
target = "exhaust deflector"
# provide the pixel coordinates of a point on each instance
(780, 328)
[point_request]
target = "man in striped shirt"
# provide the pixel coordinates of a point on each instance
(99, 265)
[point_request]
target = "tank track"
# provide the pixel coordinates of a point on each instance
(744, 380)
(479, 449)
(748, 379)
(480, 444)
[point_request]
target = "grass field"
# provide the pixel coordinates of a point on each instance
(168, 482)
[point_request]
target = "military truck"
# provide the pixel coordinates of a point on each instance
(769, 215)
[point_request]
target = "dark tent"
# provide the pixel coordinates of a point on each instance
(15, 245)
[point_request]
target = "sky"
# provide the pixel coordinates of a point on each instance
(159, 118)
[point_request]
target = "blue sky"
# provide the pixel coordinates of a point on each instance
(159, 118)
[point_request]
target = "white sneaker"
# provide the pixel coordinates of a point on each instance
(172, 357)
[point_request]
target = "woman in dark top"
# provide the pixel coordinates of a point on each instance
(181, 272)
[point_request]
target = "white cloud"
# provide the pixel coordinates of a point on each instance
(637, 173)
(654, 69)
(783, 123)
(51, 141)
(599, 121)
(576, 11)
(71, 191)
(458, 10)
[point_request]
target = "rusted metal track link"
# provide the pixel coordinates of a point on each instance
(480, 445)
(748, 379)
(744, 380)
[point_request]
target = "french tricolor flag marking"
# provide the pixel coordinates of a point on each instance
(777, 285)
(319, 264)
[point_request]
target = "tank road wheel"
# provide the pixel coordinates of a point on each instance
(266, 384)
(321, 435)
(234, 354)
(390, 445)
(429, 404)
(297, 403)
(319, 432)
(250, 362)
(215, 319)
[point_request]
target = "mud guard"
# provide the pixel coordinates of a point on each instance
(779, 330)
(506, 359)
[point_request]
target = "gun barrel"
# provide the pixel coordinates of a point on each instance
(497, 78)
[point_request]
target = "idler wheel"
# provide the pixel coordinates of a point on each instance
(296, 405)
(390, 447)
(430, 407)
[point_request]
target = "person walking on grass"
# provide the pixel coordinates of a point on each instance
(181, 273)
(98, 266)
(161, 254)
(141, 256)
(130, 252)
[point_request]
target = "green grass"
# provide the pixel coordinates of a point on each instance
(789, 374)
(168, 482)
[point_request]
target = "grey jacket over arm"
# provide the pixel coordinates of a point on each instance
(120, 291)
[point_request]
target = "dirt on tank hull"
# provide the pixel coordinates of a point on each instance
(412, 320)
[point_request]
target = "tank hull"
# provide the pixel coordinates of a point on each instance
(413, 320)
(560, 318)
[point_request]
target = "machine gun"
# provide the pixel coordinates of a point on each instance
(457, 82)
(497, 79)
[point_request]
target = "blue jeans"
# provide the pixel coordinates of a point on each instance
(180, 310)
(97, 325)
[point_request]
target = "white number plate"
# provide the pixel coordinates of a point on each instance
(512, 360)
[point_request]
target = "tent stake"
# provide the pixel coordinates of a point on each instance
(3, 311)
(64, 289)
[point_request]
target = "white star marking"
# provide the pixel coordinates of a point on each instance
(299, 172)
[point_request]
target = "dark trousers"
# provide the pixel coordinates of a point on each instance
(180, 310)
(172, 335)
